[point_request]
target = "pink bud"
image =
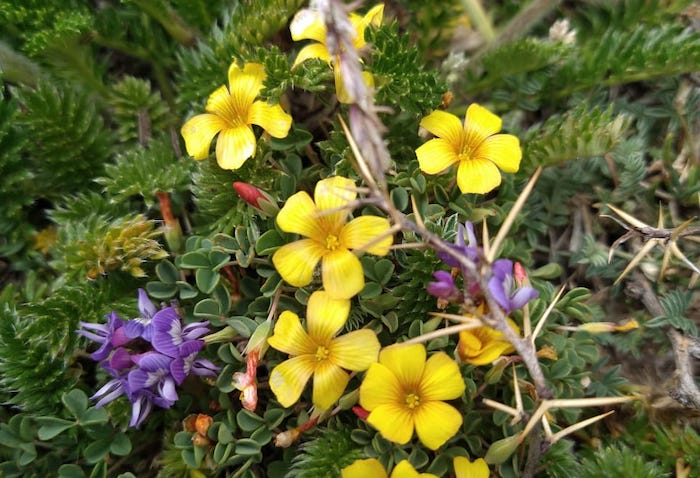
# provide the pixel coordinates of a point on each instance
(361, 413)
(519, 273)
(257, 198)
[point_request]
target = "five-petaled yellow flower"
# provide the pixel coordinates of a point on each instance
(372, 468)
(404, 392)
(474, 146)
(329, 238)
(319, 352)
(232, 111)
(467, 469)
(308, 25)
(483, 345)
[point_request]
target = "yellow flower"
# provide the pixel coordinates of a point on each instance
(474, 145)
(329, 238)
(319, 352)
(467, 469)
(308, 25)
(483, 345)
(232, 111)
(404, 391)
(371, 468)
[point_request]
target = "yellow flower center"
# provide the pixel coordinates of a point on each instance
(412, 400)
(322, 353)
(332, 242)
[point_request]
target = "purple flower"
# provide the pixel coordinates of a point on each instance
(188, 362)
(471, 251)
(153, 372)
(109, 335)
(169, 335)
(444, 287)
(142, 326)
(111, 390)
(504, 289)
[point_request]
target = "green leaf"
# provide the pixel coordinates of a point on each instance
(399, 196)
(249, 421)
(167, 272)
(121, 445)
(161, 290)
(193, 260)
(187, 290)
(262, 436)
(99, 470)
(51, 427)
(96, 450)
(274, 416)
(268, 242)
(76, 402)
(218, 259)
(383, 270)
(93, 416)
(206, 280)
(243, 325)
(207, 309)
(224, 435)
(222, 451)
(27, 455)
(247, 447)
(70, 471)
(183, 440)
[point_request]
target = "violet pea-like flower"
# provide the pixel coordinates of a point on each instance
(444, 287)
(504, 289)
(142, 326)
(465, 244)
(188, 362)
(110, 335)
(153, 373)
(169, 335)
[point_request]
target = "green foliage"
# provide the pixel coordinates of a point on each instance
(62, 153)
(619, 462)
(675, 305)
(138, 111)
(145, 171)
(16, 179)
(37, 342)
(325, 455)
(244, 28)
(582, 132)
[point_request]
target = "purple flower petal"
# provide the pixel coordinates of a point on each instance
(141, 407)
(203, 366)
(138, 379)
(444, 287)
(110, 391)
(522, 296)
(120, 359)
(146, 307)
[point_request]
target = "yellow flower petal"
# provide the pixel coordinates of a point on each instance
(372, 17)
(404, 469)
(325, 316)
(331, 194)
(407, 362)
(436, 155)
(271, 118)
(288, 379)
(316, 50)
(219, 103)
(369, 468)
(296, 261)
(442, 379)
(307, 24)
(393, 421)
(342, 274)
(436, 422)
(355, 350)
(198, 132)
(244, 86)
(477, 176)
(290, 337)
(444, 125)
(489, 353)
(502, 149)
(479, 124)
(300, 215)
(234, 146)
(329, 384)
(380, 387)
(365, 229)
(466, 469)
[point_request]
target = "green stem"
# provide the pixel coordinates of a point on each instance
(16, 68)
(528, 16)
(127, 49)
(169, 19)
(479, 19)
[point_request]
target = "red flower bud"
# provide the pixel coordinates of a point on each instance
(360, 412)
(257, 198)
(519, 273)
